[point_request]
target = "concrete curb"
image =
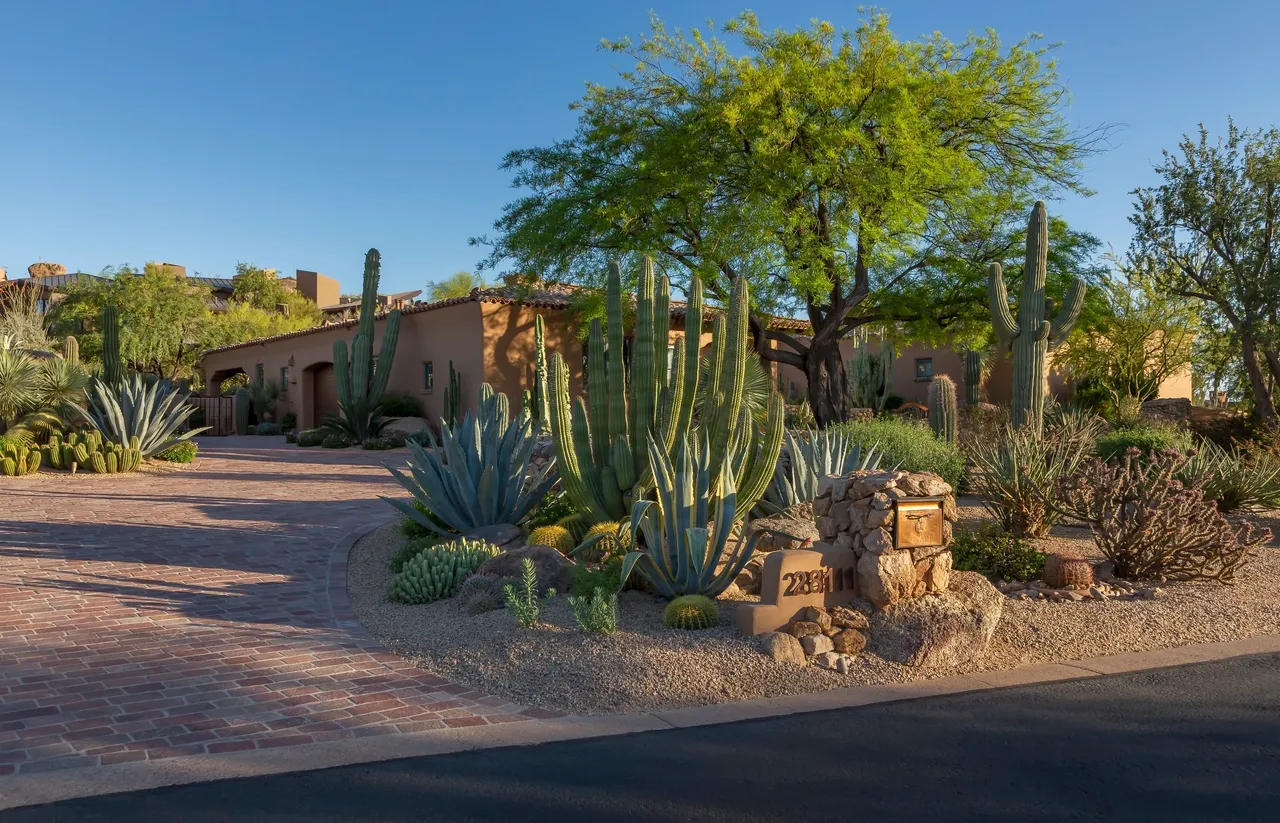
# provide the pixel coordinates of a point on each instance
(49, 787)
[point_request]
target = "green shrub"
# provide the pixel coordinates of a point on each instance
(909, 446)
(1146, 438)
(291, 436)
(335, 440)
(289, 422)
(551, 510)
(996, 554)
(401, 405)
(426, 438)
(311, 437)
(598, 613)
(184, 451)
(383, 442)
(1234, 478)
(587, 579)
(524, 602)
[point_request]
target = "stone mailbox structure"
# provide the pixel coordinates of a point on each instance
(897, 523)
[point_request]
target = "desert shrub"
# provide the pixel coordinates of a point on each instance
(335, 440)
(1150, 524)
(1235, 478)
(401, 405)
(587, 579)
(598, 613)
(383, 442)
(906, 445)
(1148, 439)
(996, 554)
(291, 436)
(267, 429)
(1016, 474)
(289, 422)
(426, 438)
(184, 451)
(311, 437)
(523, 601)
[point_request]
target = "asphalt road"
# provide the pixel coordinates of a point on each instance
(1195, 743)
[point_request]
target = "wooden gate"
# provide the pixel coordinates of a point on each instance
(219, 414)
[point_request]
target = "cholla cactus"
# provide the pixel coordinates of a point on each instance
(942, 408)
(1031, 336)
(438, 571)
(691, 612)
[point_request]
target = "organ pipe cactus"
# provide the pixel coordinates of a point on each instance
(478, 475)
(869, 376)
(942, 408)
(601, 441)
(112, 362)
(1031, 336)
(972, 377)
(361, 381)
(538, 401)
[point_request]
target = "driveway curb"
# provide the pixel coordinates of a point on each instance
(39, 788)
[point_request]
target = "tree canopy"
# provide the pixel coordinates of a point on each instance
(849, 175)
(458, 284)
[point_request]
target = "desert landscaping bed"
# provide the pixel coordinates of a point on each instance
(646, 666)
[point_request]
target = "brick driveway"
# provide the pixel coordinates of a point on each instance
(199, 612)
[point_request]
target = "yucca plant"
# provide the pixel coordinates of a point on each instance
(813, 455)
(675, 549)
(37, 391)
(153, 414)
(1233, 479)
(478, 475)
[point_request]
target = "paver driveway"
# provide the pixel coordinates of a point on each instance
(199, 612)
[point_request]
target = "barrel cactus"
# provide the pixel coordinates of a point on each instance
(691, 612)
(557, 537)
(437, 572)
(71, 350)
(18, 457)
(1031, 336)
(942, 408)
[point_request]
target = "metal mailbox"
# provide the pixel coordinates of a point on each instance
(917, 522)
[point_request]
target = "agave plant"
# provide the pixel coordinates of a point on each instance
(1232, 478)
(478, 474)
(153, 414)
(812, 456)
(676, 547)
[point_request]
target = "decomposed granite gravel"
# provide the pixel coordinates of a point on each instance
(648, 667)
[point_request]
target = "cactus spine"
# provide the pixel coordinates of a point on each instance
(243, 402)
(112, 362)
(453, 397)
(71, 350)
(362, 382)
(972, 377)
(942, 407)
(1031, 336)
(602, 441)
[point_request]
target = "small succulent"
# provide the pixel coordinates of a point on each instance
(437, 572)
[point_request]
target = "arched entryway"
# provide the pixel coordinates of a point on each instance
(319, 395)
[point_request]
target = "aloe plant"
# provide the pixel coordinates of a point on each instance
(677, 549)
(153, 414)
(813, 455)
(478, 475)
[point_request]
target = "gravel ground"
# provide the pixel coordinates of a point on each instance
(647, 667)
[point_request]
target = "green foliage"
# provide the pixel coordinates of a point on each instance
(395, 440)
(908, 446)
(362, 380)
(18, 457)
(597, 614)
(263, 396)
(23, 323)
(681, 553)
(1233, 478)
(870, 376)
(262, 290)
(551, 509)
(266, 430)
(240, 322)
(691, 612)
(996, 554)
(401, 405)
(557, 537)
(37, 393)
(184, 451)
(438, 571)
(481, 472)
(524, 603)
(131, 409)
(334, 440)
(943, 412)
(1147, 438)
(289, 422)
(458, 284)
(414, 529)
(811, 456)
(588, 577)
(311, 437)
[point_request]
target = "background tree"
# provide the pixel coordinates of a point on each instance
(835, 170)
(458, 284)
(1211, 227)
(261, 289)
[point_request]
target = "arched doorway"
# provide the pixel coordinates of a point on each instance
(319, 394)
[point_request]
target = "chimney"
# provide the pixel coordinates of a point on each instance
(321, 290)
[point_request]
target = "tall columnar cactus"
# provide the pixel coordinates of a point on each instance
(942, 407)
(453, 397)
(112, 362)
(362, 382)
(243, 401)
(870, 376)
(538, 401)
(972, 377)
(602, 441)
(1031, 336)
(71, 350)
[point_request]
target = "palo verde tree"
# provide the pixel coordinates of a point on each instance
(1212, 228)
(831, 169)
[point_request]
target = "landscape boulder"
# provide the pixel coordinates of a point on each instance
(783, 648)
(941, 630)
(555, 571)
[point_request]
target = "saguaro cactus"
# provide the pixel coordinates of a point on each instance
(453, 397)
(972, 377)
(71, 350)
(601, 443)
(112, 362)
(362, 382)
(1031, 336)
(942, 407)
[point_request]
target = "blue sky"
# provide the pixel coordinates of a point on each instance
(298, 134)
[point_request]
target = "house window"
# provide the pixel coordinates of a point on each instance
(924, 368)
(284, 379)
(428, 376)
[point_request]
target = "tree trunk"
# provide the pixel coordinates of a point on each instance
(1261, 394)
(828, 385)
